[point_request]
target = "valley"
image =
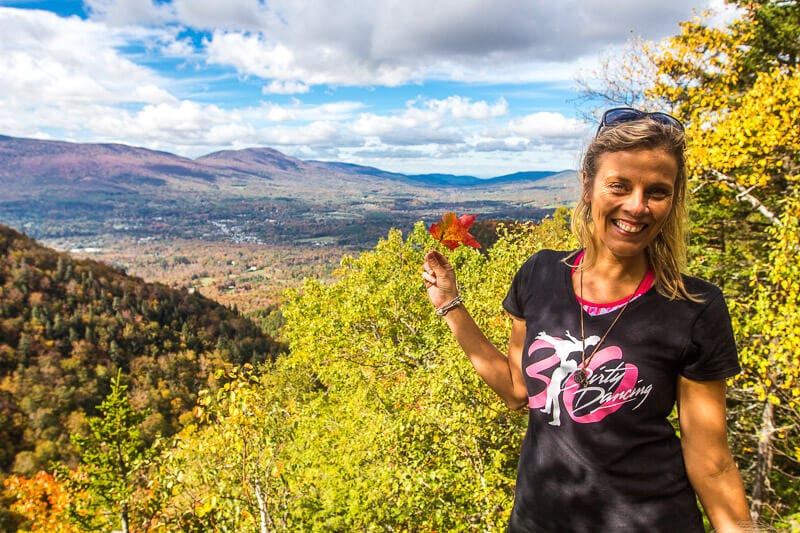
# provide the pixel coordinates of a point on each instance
(240, 225)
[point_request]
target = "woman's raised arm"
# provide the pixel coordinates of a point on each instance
(503, 373)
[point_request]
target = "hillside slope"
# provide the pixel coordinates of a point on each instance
(66, 326)
(30, 167)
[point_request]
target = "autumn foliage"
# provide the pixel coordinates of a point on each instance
(41, 502)
(67, 325)
(374, 420)
(452, 232)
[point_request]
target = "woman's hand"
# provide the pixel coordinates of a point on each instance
(502, 373)
(440, 279)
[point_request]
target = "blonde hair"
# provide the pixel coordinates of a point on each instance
(667, 252)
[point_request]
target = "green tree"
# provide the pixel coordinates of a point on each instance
(374, 420)
(111, 479)
(770, 324)
(226, 474)
(774, 42)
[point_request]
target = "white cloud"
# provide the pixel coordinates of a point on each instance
(310, 64)
(370, 124)
(277, 113)
(463, 108)
(227, 14)
(48, 59)
(546, 125)
(285, 87)
(298, 112)
(427, 115)
(503, 145)
(250, 54)
(128, 12)
(421, 137)
(178, 48)
(322, 42)
(118, 76)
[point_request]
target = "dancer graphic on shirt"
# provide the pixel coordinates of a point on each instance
(563, 348)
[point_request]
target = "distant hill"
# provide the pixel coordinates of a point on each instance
(28, 166)
(66, 326)
(83, 194)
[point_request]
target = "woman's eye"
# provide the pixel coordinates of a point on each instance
(659, 194)
(616, 187)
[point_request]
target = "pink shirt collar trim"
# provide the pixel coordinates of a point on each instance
(644, 286)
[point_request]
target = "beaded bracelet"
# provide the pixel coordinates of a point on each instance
(452, 304)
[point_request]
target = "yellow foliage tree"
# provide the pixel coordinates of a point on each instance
(770, 328)
(743, 136)
(375, 420)
(743, 127)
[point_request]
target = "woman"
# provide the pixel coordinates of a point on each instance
(605, 341)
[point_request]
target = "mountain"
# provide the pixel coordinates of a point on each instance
(80, 194)
(28, 166)
(67, 325)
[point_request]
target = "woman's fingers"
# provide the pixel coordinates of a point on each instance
(438, 273)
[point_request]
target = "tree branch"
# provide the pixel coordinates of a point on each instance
(744, 194)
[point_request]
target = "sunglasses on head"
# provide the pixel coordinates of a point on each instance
(620, 115)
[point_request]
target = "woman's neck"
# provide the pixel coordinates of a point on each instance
(611, 278)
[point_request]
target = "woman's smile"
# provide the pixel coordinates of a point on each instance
(628, 227)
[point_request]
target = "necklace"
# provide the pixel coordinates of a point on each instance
(581, 377)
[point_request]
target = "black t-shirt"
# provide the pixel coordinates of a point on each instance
(604, 457)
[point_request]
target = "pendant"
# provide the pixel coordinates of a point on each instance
(580, 377)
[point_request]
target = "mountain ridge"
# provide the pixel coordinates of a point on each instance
(92, 194)
(116, 166)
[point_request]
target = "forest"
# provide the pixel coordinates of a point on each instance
(67, 325)
(371, 419)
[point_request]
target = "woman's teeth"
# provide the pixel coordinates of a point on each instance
(630, 228)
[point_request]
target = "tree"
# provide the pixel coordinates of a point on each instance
(114, 462)
(374, 420)
(42, 501)
(774, 42)
(227, 473)
(770, 322)
(404, 430)
(622, 79)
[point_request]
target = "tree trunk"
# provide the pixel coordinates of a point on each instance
(763, 461)
(124, 519)
(264, 518)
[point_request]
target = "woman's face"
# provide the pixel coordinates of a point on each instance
(630, 199)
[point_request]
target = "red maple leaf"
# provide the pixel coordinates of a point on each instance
(453, 232)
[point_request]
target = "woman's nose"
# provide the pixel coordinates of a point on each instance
(636, 203)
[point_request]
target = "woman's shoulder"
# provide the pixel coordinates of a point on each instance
(700, 287)
(550, 255)
(546, 258)
(706, 296)
(542, 263)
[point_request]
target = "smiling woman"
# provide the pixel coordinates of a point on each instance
(605, 342)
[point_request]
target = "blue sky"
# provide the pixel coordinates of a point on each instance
(480, 87)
